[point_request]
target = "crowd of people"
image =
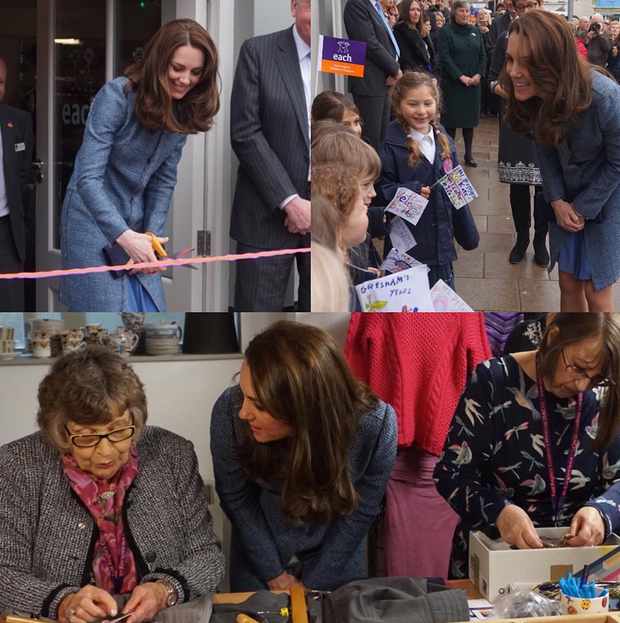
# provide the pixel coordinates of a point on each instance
(430, 70)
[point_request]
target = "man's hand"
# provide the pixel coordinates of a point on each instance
(589, 36)
(298, 216)
(516, 528)
(566, 216)
(87, 605)
(146, 601)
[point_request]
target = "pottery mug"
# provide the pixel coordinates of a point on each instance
(122, 343)
(41, 348)
(71, 346)
(165, 331)
(7, 346)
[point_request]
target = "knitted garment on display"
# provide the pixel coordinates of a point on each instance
(418, 363)
(499, 327)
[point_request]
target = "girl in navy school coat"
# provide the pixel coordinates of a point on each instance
(416, 100)
(573, 113)
(126, 169)
(302, 454)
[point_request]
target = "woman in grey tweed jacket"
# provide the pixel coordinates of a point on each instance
(302, 454)
(49, 536)
(126, 169)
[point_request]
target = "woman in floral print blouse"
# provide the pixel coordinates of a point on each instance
(513, 461)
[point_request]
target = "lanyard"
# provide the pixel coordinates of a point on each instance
(557, 501)
(118, 574)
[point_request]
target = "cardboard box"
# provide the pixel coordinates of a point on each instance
(493, 566)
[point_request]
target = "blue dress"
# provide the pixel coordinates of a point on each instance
(124, 177)
(494, 456)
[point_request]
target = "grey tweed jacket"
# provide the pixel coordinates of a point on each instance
(47, 534)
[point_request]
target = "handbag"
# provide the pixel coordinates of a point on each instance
(546, 213)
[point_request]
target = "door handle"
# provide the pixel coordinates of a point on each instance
(37, 167)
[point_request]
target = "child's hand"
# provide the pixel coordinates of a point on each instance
(425, 192)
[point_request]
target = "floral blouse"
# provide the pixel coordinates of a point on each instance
(494, 455)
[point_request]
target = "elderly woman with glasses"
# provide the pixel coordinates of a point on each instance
(532, 445)
(97, 504)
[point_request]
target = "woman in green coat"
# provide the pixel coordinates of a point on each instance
(463, 63)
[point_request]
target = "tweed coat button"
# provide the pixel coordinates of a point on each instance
(81, 525)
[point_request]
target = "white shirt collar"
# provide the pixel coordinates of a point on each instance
(420, 137)
(302, 47)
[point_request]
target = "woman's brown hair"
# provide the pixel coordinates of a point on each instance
(413, 80)
(332, 105)
(155, 108)
(562, 76)
(91, 387)
(300, 376)
(576, 327)
(403, 11)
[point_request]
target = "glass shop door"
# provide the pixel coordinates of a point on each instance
(81, 44)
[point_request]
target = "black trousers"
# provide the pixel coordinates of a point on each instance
(260, 285)
(11, 290)
(521, 206)
(375, 114)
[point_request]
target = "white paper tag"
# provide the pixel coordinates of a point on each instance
(20, 146)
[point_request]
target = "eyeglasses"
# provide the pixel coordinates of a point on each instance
(114, 436)
(596, 381)
(519, 8)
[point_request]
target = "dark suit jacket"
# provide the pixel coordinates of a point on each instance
(269, 134)
(16, 128)
(497, 27)
(363, 23)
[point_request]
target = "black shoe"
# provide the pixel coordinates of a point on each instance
(471, 162)
(518, 251)
(541, 255)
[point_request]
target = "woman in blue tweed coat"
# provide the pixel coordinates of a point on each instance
(126, 169)
(98, 504)
(573, 112)
(302, 454)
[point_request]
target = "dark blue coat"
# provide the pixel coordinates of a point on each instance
(440, 222)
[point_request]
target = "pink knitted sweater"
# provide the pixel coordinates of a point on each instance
(418, 363)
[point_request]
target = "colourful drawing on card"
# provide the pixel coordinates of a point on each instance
(400, 235)
(408, 205)
(445, 299)
(393, 292)
(458, 187)
(397, 261)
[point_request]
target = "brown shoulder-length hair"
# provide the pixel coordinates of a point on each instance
(300, 376)
(332, 105)
(155, 108)
(562, 76)
(91, 387)
(413, 80)
(574, 328)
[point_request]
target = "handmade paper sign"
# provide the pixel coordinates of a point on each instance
(445, 299)
(402, 239)
(342, 56)
(407, 205)
(458, 187)
(397, 261)
(406, 291)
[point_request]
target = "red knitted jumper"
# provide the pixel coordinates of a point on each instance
(418, 363)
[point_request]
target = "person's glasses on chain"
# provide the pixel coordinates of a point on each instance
(596, 381)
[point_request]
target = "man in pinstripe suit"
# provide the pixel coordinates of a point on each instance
(270, 130)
